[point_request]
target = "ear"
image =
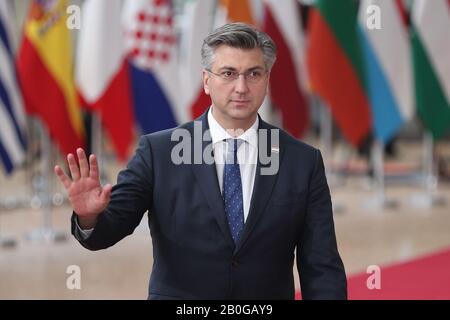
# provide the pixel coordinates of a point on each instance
(206, 81)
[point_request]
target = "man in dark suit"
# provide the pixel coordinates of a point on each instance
(230, 197)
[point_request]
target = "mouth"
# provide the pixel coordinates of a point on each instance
(237, 101)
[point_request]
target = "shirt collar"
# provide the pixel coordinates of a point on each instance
(218, 133)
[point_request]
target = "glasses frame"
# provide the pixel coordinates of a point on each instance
(245, 74)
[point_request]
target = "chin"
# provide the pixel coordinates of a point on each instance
(241, 113)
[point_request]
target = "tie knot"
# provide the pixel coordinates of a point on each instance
(232, 148)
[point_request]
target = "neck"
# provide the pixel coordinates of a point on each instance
(235, 127)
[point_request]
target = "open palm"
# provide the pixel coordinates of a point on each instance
(87, 196)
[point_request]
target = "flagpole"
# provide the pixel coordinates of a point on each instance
(25, 201)
(6, 241)
(46, 232)
(326, 136)
(379, 200)
(428, 198)
(326, 141)
(97, 144)
(23, 198)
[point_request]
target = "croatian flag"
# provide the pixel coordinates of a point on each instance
(388, 66)
(151, 46)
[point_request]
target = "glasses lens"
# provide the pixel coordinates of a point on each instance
(232, 76)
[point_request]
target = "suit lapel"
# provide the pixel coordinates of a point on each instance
(206, 176)
(262, 187)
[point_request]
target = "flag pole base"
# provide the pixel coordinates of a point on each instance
(380, 202)
(13, 203)
(46, 235)
(426, 200)
(7, 242)
(338, 207)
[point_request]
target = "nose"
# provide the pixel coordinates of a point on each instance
(241, 84)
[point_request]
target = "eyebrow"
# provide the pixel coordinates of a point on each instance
(234, 69)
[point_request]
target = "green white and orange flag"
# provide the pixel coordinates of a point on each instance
(45, 70)
(235, 11)
(431, 60)
(335, 67)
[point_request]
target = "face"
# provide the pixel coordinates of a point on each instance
(236, 103)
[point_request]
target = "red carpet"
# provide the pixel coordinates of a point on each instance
(426, 278)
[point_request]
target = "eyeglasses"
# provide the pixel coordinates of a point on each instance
(251, 76)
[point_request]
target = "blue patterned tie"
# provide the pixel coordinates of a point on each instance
(232, 189)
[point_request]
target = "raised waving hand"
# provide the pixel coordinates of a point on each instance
(86, 194)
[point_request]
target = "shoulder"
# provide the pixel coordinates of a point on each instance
(292, 144)
(166, 138)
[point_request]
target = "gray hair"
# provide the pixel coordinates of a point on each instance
(241, 36)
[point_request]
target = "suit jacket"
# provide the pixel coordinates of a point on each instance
(194, 254)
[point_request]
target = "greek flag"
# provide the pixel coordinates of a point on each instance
(12, 117)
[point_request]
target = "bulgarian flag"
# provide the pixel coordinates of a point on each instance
(335, 66)
(431, 60)
(45, 70)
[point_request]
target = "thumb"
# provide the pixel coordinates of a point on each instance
(106, 193)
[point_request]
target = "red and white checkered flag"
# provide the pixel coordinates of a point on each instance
(150, 37)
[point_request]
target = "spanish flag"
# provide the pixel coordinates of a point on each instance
(45, 70)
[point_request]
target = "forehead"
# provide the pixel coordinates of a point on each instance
(238, 59)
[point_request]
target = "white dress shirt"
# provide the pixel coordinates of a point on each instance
(247, 155)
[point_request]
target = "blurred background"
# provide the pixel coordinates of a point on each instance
(367, 82)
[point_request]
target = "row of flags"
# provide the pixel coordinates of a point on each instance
(127, 67)
(374, 79)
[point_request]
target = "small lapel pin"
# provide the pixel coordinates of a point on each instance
(275, 149)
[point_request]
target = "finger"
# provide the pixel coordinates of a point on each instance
(74, 171)
(82, 160)
(63, 177)
(106, 193)
(94, 172)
